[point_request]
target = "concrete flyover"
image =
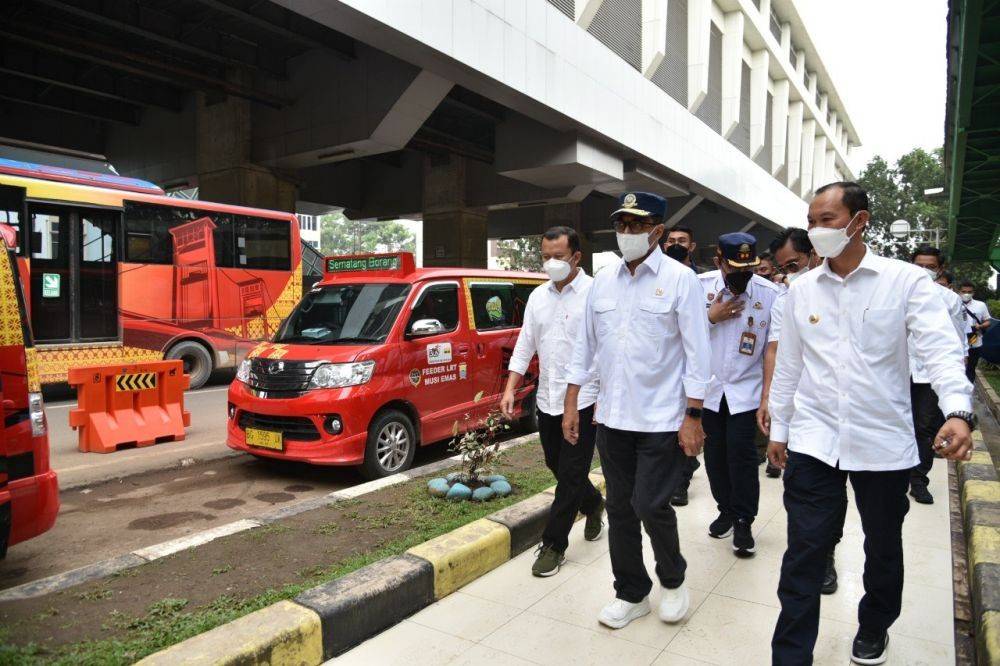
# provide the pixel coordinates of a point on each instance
(484, 118)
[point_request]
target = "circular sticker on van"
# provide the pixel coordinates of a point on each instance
(415, 377)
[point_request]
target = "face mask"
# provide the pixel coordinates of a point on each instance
(830, 243)
(792, 277)
(737, 282)
(966, 298)
(632, 246)
(557, 269)
(677, 252)
(931, 273)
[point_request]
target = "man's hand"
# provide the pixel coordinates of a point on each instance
(571, 425)
(777, 454)
(723, 310)
(764, 417)
(954, 440)
(691, 436)
(507, 404)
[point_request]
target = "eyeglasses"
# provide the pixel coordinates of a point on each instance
(633, 224)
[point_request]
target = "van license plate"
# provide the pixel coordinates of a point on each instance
(264, 439)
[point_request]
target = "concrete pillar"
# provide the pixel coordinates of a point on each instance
(654, 35)
(831, 166)
(819, 161)
(732, 71)
(824, 106)
(699, 38)
(806, 159)
(794, 143)
(800, 65)
(758, 101)
(786, 40)
(765, 11)
(222, 157)
(571, 215)
(454, 233)
(779, 126)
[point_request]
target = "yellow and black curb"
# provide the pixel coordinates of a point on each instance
(979, 493)
(330, 619)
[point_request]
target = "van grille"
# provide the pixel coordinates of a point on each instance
(282, 377)
(291, 427)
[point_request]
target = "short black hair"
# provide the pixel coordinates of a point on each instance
(766, 256)
(854, 196)
(966, 283)
(948, 277)
(797, 236)
(683, 228)
(557, 232)
(928, 251)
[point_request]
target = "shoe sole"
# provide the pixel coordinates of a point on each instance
(744, 552)
(673, 620)
(720, 536)
(596, 536)
(552, 572)
(921, 501)
(829, 590)
(623, 623)
(678, 502)
(874, 661)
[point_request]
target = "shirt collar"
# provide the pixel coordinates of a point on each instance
(652, 262)
(574, 284)
(869, 262)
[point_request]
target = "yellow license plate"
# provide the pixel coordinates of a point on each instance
(264, 439)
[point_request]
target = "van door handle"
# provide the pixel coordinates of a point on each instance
(462, 350)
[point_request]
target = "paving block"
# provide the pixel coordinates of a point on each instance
(984, 545)
(282, 633)
(525, 521)
(366, 601)
(464, 554)
(974, 489)
(988, 637)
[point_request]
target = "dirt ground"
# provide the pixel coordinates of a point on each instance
(298, 551)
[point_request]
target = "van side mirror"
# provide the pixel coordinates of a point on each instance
(424, 327)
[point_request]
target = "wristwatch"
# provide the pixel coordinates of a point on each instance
(693, 412)
(968, 417)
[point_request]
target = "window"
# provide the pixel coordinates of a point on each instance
(493, 305)
(262, 243)
(439, 302)
(345, 314)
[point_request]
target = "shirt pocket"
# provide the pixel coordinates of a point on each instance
(605, 316)
(657, 318)
(880, 331)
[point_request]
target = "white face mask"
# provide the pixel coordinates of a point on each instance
(966, 298)
(829, 243)
(931, 273)
(633, 246)
(557, 269)
(792, 277)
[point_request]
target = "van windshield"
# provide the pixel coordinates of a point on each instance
(344, 314)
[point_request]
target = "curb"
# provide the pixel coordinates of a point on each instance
(361, 604)
(979, 493)
(97, 570)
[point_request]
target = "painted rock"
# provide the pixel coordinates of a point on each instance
(501, 488)
(438, 487)
(493, 478)
(459, 492)
(483, 494)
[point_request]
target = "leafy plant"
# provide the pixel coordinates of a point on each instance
(479, 445)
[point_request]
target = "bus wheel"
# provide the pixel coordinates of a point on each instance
(197, 361)
(391, 445)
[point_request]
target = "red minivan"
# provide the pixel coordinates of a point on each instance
(378, 358)
(29, 492)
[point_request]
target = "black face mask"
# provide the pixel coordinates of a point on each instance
(738, 281)
(677, 252)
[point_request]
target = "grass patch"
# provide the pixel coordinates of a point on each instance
(992, 376)
(170, 621)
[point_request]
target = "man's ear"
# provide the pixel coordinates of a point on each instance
(718, 264)
(692, 247)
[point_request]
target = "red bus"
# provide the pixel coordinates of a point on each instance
(29, 492)
(115, 271)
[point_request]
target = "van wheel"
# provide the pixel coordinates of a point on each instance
(197, 361)
(391, 445)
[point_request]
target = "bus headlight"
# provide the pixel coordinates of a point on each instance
(36, 411)
(243, 372)
(339, 375)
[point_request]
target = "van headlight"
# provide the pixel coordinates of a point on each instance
(243, 372)
(339, 375)
(36, 411)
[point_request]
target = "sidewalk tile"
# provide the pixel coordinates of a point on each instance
(465, 616)
(727, 631)
(548, 641)
(406, 644)
(513, 585)
(668, 658)
(478, 655)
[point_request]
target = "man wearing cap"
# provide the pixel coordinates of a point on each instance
(645, 337)
(738, 307)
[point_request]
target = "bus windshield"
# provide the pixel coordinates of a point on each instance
(344, 314)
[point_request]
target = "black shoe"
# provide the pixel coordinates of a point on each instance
(721, 527)
(772, 471)
(870, 647)
(743, 544)
(920, 494)
(680, 497)
(830, 577)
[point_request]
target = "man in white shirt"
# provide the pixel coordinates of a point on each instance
(645, 337)
(551, 325)
(927, 416)
(738, 307)
(978, 316)
(840, 409)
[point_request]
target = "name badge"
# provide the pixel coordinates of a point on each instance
(748, 342)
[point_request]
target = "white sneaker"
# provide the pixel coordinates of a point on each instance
(619, 613)
(674, 603)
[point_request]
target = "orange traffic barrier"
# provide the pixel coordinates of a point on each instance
(135, 404)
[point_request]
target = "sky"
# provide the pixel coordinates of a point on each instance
(888, 61)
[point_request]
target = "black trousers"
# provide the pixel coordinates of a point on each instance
(570, 463)
(731, 460)
(970, 366)
(927, 421)
(812, 493)
(687, 472)
(642, 470)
